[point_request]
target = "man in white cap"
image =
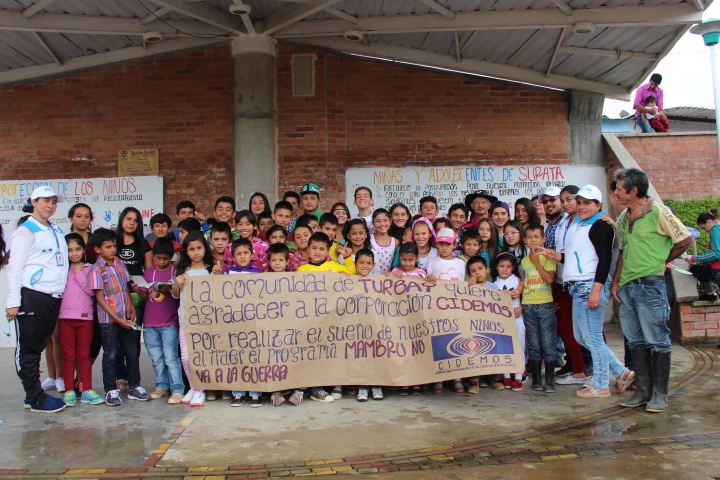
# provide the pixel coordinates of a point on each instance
(37, 274)
(550, 199)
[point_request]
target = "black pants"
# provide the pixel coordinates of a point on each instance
(34, 326)
(113, 335)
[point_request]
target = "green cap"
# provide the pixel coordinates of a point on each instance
(310, 188)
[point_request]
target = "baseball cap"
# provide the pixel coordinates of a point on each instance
(46, 191)
(310, 188)
(551, 192)
(590, 192)
(445, 235)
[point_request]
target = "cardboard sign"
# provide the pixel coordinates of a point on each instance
(280, 331)
(141, 161)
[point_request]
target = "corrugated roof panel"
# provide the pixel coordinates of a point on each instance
(15, 5)
(13, 58)
(691, 112)
(26, 44)
(63, 47)
(90, 44)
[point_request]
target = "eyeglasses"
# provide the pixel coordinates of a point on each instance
(549, 200)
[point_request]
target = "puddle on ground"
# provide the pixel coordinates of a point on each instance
(615, 429)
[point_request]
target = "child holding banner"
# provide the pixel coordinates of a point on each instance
(195, 260)
(423, 235)
(365, 263)
(508, 282)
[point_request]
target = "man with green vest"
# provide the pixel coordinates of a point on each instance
(650, 237)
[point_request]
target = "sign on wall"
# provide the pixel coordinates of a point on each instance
(139, 161)
(450, 184)
(279, 331)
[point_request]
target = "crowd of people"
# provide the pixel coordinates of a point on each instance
(77, 294)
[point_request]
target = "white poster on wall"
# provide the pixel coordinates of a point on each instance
(107, 197)
(451, 184)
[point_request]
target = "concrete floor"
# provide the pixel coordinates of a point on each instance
(102, 437)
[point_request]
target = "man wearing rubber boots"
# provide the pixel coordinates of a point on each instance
(650, 237)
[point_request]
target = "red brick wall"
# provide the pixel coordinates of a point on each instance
(680, 167)
(181, 104)
(700, 325)
(367, 113)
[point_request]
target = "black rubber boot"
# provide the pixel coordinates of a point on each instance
(642, 358)
(535, 366)
(550, 376)
(661, 378)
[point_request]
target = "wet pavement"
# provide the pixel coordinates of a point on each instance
(490, 435)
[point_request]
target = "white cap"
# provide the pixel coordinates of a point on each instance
(589, 192)
(46, 192)
(445, 235)
(551, 192)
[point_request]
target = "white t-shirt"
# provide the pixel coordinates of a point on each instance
(383, 255)
(446, 269)
(368, 222)
(423, 261)
(510, 283)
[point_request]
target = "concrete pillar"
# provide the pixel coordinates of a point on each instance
(254, 139)
(585, 122)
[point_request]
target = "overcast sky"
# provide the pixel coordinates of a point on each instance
(687, 78)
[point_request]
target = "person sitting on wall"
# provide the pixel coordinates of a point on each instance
(652, 88)
(657, 121)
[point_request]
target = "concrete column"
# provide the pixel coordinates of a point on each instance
(254, 139)
(585, 122)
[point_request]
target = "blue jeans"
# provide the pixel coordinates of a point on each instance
(112, 335)
(588, 331)
(644, 315)
(162, 346)
(645, 127)
(540, 331)
(559, 346)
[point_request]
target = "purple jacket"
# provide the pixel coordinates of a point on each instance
(77, 300)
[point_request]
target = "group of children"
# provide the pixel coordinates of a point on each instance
(135, 284)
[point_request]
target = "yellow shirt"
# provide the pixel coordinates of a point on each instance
(331, 266)
(536, 291)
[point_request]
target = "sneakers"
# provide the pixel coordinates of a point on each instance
(459, 387)
(507, 382)
(277, 399)
(404, 391)
(560, 362)
(175, 398)
(516, 385)
(322, 396)
(438, 388)
(112, 398)
(474, 386)
(237, 401)
(138, 393)
(255, 401)
(362, 395)
(416, 391)
(210, 395)
(297, 397)
(198, 399)
(158, 393)
(337, 393)
(60, 385)
(90, 397)
(188, 397)
(27, 403)
(48, 384)
(564, 371)
(70, 398)
(570, 380)
(377, 393)
(50, 405)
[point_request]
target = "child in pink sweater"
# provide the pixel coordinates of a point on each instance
(76, 323)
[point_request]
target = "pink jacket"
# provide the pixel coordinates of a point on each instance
(259, 259)
(77, 300)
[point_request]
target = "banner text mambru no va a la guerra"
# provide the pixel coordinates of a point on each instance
(289, 330)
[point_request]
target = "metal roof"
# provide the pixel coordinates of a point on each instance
(691, 113)
(524, 40)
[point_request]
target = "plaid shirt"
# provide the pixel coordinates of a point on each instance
(550, 228)
(112, 280)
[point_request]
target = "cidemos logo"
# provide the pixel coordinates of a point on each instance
(456, 345)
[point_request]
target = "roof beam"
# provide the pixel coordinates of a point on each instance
(211, 16)
(289, 15)
(563, 6)
(700, 5)
(151, 17)
(466, 65)
(678, 14)
(47, 48)
(89, 62)
(555, 52)
(56, 23)
(35, 8)
(661, 55)
(439, 8)
(601, 52)
(457, 47)
(340, 14)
